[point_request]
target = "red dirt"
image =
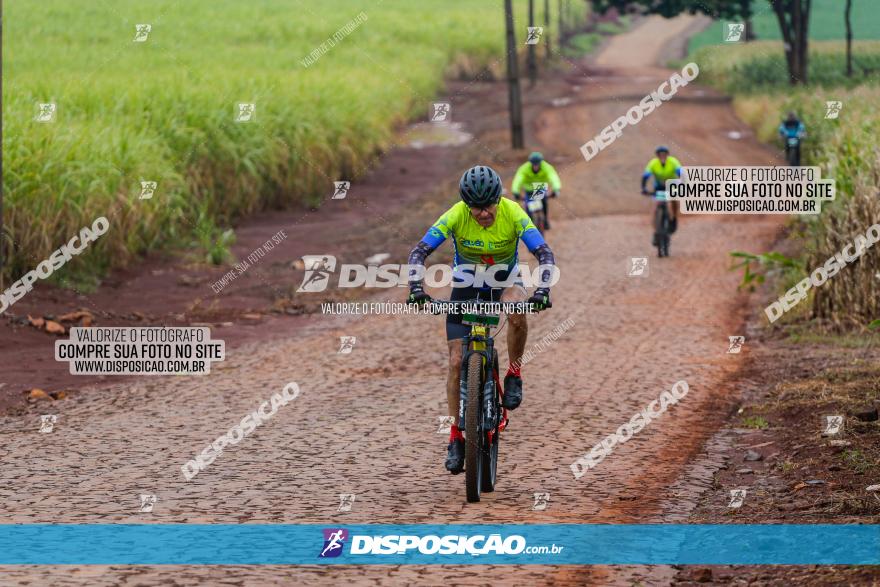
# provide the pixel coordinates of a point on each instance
(366, 421)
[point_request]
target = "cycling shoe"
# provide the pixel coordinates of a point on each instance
(455, 456)
(513, 392)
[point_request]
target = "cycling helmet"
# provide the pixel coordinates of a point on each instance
(662, 149)
(536, 157)
(480, 186)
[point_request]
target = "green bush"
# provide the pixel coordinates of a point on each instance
(581, 44)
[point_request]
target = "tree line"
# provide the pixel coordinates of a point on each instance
(793, 17)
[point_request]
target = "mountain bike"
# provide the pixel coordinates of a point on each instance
(534, 202)
(480, 395)
(662, 223)
(793, 151)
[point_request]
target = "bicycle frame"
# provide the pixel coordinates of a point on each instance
(662, 201)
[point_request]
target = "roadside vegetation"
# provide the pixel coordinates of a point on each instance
(594, 33)
(826, 23)
(844, 148)
(164, 110)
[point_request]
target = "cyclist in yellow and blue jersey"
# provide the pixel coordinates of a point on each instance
(662, 168)
(485, 230)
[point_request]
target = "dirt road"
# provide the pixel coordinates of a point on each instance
(366, 422)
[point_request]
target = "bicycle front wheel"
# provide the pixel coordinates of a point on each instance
(540, 221)
(473, 436)
(661, 221)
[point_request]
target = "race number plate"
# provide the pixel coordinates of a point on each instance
(480, 319)
(535, 205)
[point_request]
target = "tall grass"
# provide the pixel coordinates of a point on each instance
(163, 110)
(846, 149)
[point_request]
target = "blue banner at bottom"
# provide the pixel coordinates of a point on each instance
(420, 544)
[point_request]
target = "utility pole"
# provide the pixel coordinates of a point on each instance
(568, 18)
(532, 65)
(515, 103)
(3, 246)
(561, 24)
(546, 29)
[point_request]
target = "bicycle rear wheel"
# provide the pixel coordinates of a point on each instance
(473, 436)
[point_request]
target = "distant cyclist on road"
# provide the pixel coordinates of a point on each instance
(485, 230)
(792, 128)
(536, 171)
(663, 167)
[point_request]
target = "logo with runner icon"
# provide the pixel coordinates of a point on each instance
(539, 190)
(346, 500)
(833, 108)
(734, 32)
(142, 32)
(638, 267)
(445, 424)
(440, 111)
(334, 540)
(340, 189)
(246, 112)
(534, 35)
(541, 501)
(833, 424)
(147, 503)
(47, 423)
(45, 112)
(737, 497)
(346, 344)
(735, 344)
(148, 188)
(318, 269)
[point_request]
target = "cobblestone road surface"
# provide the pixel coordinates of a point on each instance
(366, 422)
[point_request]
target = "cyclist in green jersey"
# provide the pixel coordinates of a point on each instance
(485, 230)
(534, 173)
(663, 167)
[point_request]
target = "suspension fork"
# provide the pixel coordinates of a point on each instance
(483, 345)
(476, 343)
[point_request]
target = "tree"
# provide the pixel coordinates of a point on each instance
(793, 17)
(745, 11)
(794, 22)
(514, 101)
(847, 14)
